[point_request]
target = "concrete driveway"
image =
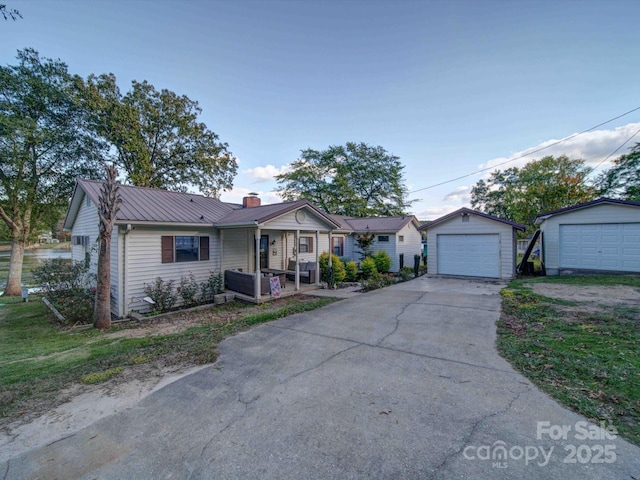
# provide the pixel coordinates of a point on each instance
(403, 382)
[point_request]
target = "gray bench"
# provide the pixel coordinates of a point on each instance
(307, 271)
(244, 282)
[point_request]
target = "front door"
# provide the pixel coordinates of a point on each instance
(264, 251)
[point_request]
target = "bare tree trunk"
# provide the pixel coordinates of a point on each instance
(102, 312)
(14, 287)
(107, 210)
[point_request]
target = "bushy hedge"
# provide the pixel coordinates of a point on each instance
(368, 268)
(383, 261)
(336, 275)
(69, 287)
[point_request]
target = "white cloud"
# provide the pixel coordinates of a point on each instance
(460, 195)
(593, 147)
(266, 174)
(238, 193)
(431, 213)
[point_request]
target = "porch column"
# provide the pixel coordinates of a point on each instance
(257, 265)
(296, 249)
(318, 257)
(330, 252)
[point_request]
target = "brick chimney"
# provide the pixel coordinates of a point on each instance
(251, 201)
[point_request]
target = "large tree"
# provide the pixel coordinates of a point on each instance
(356, 180)
(622, 180)
(157, 138)
(519, 194)
(44, 146)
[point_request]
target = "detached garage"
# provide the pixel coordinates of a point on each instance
(602, 236)
(472, 244)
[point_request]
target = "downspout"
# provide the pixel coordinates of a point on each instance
(125, 264)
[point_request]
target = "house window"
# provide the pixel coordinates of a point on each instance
(383, 238)
(338, 246)
(306, 245)
(400, 238)
(183, 248)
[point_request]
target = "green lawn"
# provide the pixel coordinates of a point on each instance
(38, 359)
(586, 355)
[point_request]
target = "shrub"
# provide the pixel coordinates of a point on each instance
(57, 274)
(188, 290)
(162, 293)
(336, 275)
(213, 286)
(377, 281)
(69, 287)
(383, 261)
(351, 271)
(406, 273)
(368, 268)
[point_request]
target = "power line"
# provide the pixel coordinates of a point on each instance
(621, 145)
(534, 151)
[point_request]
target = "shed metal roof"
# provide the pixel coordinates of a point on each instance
(599, 201)
(468, 211)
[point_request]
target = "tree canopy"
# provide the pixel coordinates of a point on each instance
(520, 194)
(157, 137)
(356, 180)
(44, 146)
(622, 180)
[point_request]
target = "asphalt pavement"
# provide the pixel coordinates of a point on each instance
(403, 382)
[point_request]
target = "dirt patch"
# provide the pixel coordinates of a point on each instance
(603, 295)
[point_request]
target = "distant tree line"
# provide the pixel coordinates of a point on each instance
(551, 183)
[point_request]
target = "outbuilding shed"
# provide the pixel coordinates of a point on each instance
(602, 235)
(472, 244)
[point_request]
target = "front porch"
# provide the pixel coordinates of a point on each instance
(265, 242)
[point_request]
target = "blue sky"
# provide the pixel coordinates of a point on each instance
(450, 87)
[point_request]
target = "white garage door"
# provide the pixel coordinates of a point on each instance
(602, 246)
(469, 255)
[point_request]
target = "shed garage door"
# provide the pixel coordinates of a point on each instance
(469, 255)
(602, 246)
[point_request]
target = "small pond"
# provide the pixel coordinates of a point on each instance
(32, 258)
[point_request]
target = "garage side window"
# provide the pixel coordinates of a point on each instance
(383, 238)
(184, 248)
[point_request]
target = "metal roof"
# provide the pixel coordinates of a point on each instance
(468, 211)
(598, 201)
(375, 224)
(152, 205)
(264, 213)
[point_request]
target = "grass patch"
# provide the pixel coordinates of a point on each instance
(587, 359)
(100, 377)
(38, 359)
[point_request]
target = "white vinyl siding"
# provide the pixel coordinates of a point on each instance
(411, 246)
(236, 248)
(604, 214)
(476, 225)
(144, 262)
(86, 224)
(311, 222)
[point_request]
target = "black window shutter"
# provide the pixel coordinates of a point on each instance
(167, 249)
(204, 249)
